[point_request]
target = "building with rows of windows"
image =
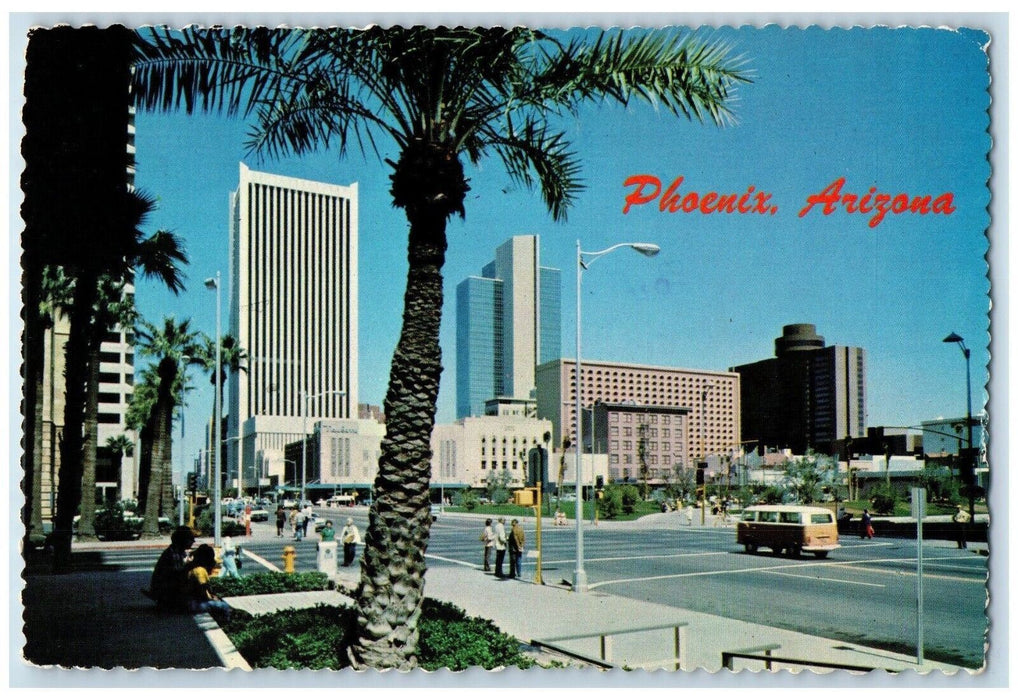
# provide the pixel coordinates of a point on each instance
(702, 406)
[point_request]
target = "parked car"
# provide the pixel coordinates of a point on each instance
(259, 514)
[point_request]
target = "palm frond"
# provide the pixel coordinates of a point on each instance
(531, 153)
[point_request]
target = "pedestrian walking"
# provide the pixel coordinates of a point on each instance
(231, 558)
(350, 537)
(689, 514)
(308, 517)
(280, 520)
(298, 525)
(866, 525)
(488, 538)
(517, 541)
(500, 544)
(962, 518)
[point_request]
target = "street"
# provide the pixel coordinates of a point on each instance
(864, 593)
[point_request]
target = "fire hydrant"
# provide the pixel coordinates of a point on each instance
(289, 558)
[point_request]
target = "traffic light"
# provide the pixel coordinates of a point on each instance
(192, 481)
(599, 481)
(701, 471)
(537, 468)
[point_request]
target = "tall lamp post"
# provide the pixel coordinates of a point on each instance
(305, 400)
(970, 457)
(650, 250)
(214, 283)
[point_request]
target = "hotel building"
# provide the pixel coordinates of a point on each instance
(701, 406)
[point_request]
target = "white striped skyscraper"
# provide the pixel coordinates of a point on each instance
(293, 293)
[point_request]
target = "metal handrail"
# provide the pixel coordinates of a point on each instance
(605, 641)
(727, 657)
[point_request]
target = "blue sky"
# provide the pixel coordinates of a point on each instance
(900, 110)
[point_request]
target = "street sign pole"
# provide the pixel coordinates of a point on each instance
(919, 512)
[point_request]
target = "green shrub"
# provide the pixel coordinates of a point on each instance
(312, 638)
(883, 499)
(266, 582)
(610, 505)
(317, 638)
(230, 528)
(468, 499)
(110, 523)
(630, 497)
(450, 639)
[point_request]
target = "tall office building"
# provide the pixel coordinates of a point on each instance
(293, 294)
(807, 396)
(508, 321)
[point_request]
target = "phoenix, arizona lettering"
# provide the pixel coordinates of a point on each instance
(880, 204)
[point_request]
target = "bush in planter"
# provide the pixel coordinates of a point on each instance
(317, 638)
(266, 582)
(450, 639)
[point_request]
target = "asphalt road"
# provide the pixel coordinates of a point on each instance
(865, 592)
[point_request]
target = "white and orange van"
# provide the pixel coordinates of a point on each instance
(788, 528)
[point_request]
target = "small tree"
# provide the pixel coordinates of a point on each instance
(806, 477)
(497, 486)
(610, 505)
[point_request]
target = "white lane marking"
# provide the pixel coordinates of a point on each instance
(822, 578)
(452, 561)
(850, 565)
(264, 562)
(859, 566)
(648, 556)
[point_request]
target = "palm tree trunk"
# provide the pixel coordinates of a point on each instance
(144, 463)
(86, 524)
(162, 435)
(72, 444)
(392, 574)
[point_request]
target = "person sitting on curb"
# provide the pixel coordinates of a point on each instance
(167, 585)
(198, 592)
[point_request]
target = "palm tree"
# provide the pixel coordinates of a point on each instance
(139, 419)
(114, 308)
(120, 446)
(233, 359)
(171, 345)
(443, 96)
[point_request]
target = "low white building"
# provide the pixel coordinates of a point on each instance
(468, 452)
(342, 453)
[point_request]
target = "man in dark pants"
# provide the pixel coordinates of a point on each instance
(516, 542)
(500, 543)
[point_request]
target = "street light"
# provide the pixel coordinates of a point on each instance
(650, 250)
(970, 458)
(305, 399)
(214, 283)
